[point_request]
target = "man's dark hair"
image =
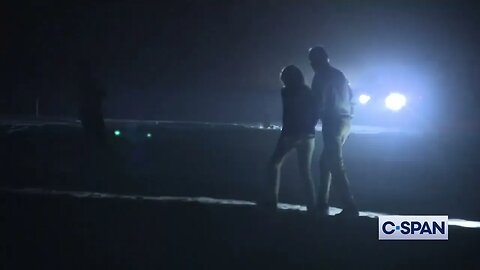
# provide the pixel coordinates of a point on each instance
(291, 76)
(317, 54)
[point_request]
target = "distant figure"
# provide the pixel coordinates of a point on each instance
(298, 131)
(91, 97)
(333, 98)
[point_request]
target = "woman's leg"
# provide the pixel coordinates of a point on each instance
(284, 145)
(305, 153)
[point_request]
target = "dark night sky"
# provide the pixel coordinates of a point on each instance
(219, 60)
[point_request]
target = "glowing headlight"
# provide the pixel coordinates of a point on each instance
(395, 101)
(364, 99)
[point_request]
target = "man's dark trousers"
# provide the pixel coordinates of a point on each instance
(335, 132)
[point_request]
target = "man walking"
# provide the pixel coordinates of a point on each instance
(91, 96)
(333, 98)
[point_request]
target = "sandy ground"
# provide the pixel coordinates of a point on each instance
(393, 172)
(66, 232)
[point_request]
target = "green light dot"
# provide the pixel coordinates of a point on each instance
(117, 132)
(149, 135)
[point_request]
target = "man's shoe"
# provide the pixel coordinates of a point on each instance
(348, 213)
(267, 206)
(322, 211)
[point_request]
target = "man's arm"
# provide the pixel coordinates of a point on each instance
(350, 97)
(338, 97)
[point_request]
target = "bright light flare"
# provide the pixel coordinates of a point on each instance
(117, 132)
(395, 101)
(364, 99)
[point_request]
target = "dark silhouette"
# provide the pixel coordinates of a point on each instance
(333, 98)
(91, 96)
(298, 131)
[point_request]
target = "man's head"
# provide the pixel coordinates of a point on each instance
(318, 57)
(292, 76)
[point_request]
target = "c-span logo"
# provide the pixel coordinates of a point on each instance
(413, 227)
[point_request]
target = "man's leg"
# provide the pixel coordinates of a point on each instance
(305, 152)
(323, 193)
(325, 180)
(284, 145)
(339, 175)
(99, 130)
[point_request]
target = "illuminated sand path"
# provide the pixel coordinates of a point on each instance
(19, 125)
(203, 200)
